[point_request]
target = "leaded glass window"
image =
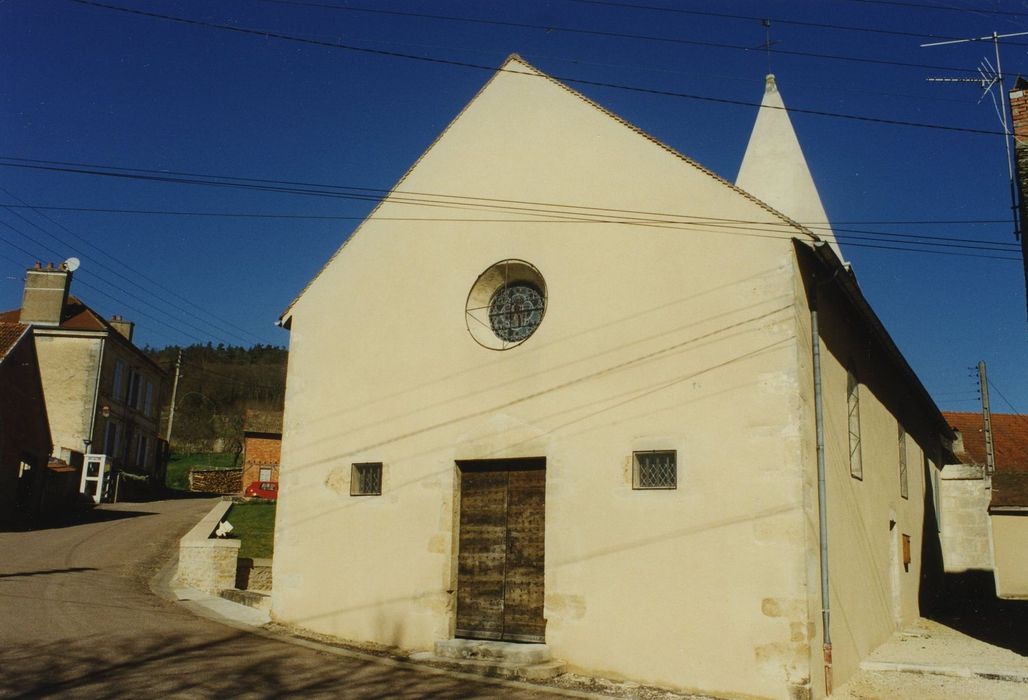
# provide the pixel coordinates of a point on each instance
(515, 311)
(366, 479)
(904, 485)
(657, 469)
(853, 396)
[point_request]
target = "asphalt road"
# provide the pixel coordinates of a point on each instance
(78, 619)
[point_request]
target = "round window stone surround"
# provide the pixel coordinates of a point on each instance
(506, 304)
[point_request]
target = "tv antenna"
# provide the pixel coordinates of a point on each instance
(766, 23)
(989, 78)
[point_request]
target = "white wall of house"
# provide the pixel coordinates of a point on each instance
(1009, 533)
(68, 366)
(966, 534)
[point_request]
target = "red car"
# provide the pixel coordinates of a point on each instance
(262, 489)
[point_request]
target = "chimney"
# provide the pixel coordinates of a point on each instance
(122, 326)
(1019, 118)
(46, 293)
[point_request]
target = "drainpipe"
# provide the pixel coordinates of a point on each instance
(96, 392)
(822, 493)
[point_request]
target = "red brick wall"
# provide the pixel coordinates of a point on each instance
(260, 451)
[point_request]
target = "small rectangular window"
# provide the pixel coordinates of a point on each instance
(906, 552)
(904, 486)
(366, 479)
(656, 469)
(265, 474)
(148, 401)
(853, 400)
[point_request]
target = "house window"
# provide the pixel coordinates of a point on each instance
(142, 451)
(902, 439)
(853, 397)
(111, 438)
(366, 479)
(655, 469)
(148, 401)
(906, 552)
(133, 389)
(119, 380)
(265, 474)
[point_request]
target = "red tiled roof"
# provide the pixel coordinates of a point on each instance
(1010, 489)
(77, 316)
(1009, 439)
(10, 334)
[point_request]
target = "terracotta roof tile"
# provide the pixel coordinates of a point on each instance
(1009, 439)
(10, 334)
(1010, 489)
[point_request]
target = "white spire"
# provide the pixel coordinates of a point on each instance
(775, 171)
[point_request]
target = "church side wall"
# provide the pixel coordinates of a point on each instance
(872, 592)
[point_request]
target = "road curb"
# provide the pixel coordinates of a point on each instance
(994, 674)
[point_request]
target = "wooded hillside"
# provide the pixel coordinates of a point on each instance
(216, 386)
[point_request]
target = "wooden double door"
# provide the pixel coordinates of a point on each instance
(501, 552)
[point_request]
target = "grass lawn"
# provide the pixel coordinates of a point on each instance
(179, 466)
(254, 524)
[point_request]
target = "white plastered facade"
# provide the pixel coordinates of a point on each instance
(673, 337)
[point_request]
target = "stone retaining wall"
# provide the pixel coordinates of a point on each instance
(254, 575)
(207, 563)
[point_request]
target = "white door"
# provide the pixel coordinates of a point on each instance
(96, 474)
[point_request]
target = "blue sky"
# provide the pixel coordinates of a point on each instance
(194, 263)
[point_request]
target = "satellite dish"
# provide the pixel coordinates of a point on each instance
(72, 264)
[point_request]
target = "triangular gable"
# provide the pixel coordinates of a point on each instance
(508, 83)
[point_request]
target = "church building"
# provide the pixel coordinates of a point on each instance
(600, 401)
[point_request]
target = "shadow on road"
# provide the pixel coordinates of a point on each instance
(232, 664)
(970, 606)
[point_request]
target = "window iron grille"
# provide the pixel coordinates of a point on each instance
(655, 469)
(366, 479)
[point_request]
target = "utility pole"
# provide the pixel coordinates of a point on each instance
(990, 457)
(174, 390)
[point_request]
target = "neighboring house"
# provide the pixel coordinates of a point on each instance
(581, 405)
(984, 517)
(1018, 97)
(24, 430)
(103, 394)
(262, 445)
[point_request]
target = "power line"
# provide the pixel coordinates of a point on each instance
(122, 262)
(1004, 246)
(340, 217)
(116, 274)
(566, 79)
(104, 293)
(567, 213)
(921, 6)
(1006, 400)
(125, 279)
(600, 33)
(776, 20)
